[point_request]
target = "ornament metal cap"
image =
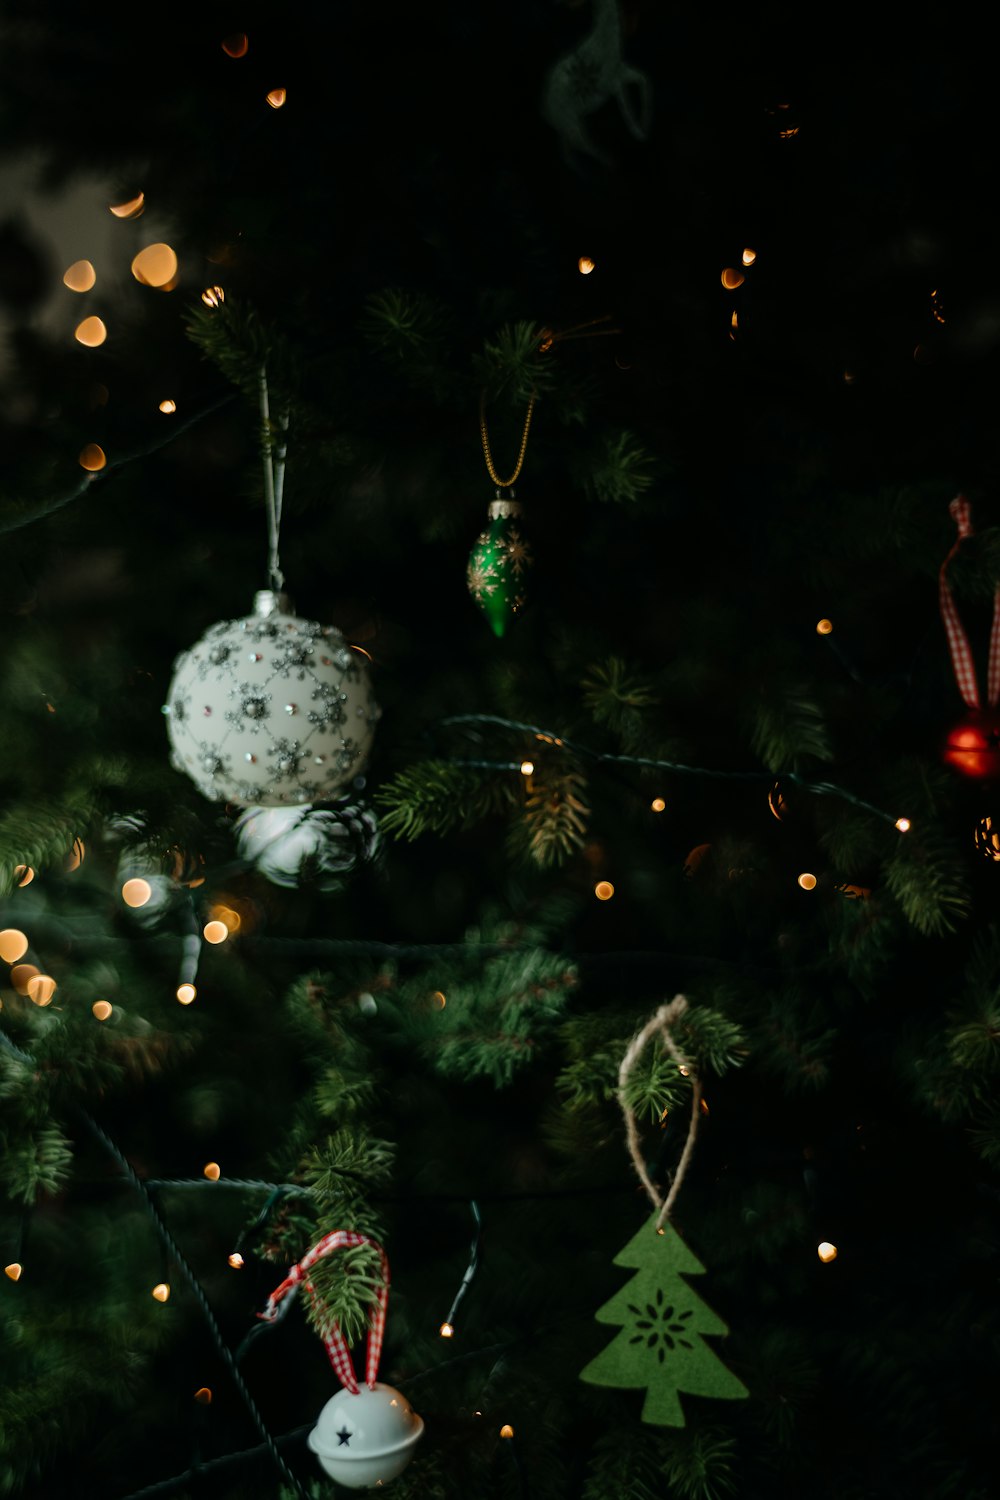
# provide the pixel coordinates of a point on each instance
(272, 602)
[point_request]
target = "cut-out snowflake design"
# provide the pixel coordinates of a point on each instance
(661, 1346)
(652, 1332)
(235, 691)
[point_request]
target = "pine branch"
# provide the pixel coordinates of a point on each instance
(616, 697)
(926, 876)
(554, 823)
(511, 365)
(435, 796)
(786, 726)
(35, 1163)
(618, 470)
(237, 342)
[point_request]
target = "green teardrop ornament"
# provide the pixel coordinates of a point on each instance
(498, 563)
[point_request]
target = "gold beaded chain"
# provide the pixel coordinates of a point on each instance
(503, 484)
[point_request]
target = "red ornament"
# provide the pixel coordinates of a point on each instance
(973, 746)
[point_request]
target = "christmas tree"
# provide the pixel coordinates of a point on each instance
(517, 445)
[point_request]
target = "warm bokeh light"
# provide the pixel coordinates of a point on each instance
(236, 1261)
(903, 825)
(527, 767)
(161, 1291)
(80, 276)
(212, 296)
(439, 1000)
(155, 265)
(92, 458)
(13, 1270)
(826, 1251)
(446, 1331)
(776, 801)
(231, 920)
(91, 332)
(136, 892)
(807, 882)
(75, 857)
(236, 45)
(168, 406)
(658, 805)
(749, 256)
(23, 874)
(130, 209)
(204, 1395)
(604, 890)
(824, 627)
(212, 1171)
(41, 988)
(13, 945)
(101, 1009)
(506, 1430)
(277, 97)
(731, 278)
(585, 265)
(186, 993)
(215, 932)
(21, 976)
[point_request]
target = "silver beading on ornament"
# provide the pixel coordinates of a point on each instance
(244, 683)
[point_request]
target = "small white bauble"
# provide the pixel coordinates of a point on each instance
(319, 845)
(270, 710)
(366, 1437)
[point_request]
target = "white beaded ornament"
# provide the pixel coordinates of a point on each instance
(270, 710)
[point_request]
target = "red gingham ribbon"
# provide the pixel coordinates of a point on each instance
(958, 641)
(333, 1339)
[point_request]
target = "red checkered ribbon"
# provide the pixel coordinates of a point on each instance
(958, 641)
(333, 1339)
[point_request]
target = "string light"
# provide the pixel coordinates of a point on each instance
(23, 874)
(21, 976)
(76, 855)
(731, 278)
(807, 881)
(824, 627)
(212, 296)
(446, 1331)
(903, 824)
(168, 406)
(131, 209)
(215, 932)
(506, 1430)
(604, 890)
(203, 1395)
(13, 945)
(136, 892)
(101, 1009)
(236, 45)
(212, 1171)
(155, 265)
(826, 1251)
(439, 1000)
(92, 458)
(236, 1260)
(41, 988)
(80, 276)
(658, 805)
(91, 332)
(749, 256)
(277, 97)
(231, 920)
(160, 1292)
(527, 767)
(186, 993)
(585, 265)
(13, 1270)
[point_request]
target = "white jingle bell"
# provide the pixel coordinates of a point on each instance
(367, 1437)
(270, 710)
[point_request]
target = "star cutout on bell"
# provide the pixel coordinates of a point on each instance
(344, 1437)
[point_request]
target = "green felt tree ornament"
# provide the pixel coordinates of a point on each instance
(500, 555)
(661, 1347)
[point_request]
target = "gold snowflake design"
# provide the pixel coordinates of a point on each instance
(482, 579)
(518, 551)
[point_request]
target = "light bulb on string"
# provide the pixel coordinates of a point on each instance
(186, 993)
